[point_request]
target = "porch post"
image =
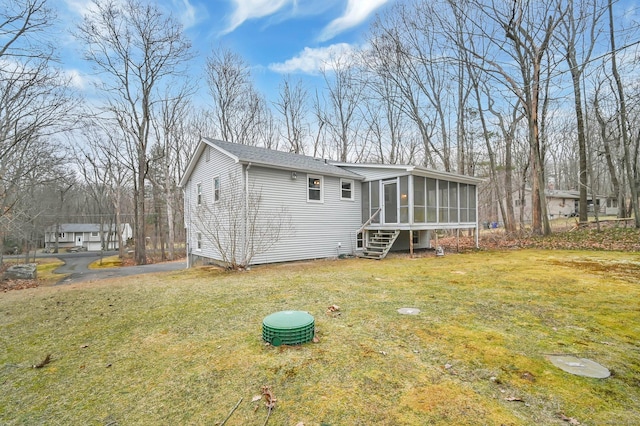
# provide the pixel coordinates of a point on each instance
(411, 243)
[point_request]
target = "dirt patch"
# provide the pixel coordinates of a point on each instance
(627, 271)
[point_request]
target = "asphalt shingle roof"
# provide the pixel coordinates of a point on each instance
(282, 160)
(79, 227)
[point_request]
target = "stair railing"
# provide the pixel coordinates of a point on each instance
(367, 223)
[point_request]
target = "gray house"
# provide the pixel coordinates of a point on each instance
(90, 236)
(248, 205)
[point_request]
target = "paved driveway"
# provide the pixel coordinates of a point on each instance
(77, 265)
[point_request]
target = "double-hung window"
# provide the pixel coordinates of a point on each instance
(314, 189)
(346, 189)
(216, 189)
(199, 193)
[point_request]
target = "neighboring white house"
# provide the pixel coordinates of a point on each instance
(87, 235)
(565, 203)
(254, 205)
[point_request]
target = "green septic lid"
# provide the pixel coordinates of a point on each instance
(287, 320)
(288, 328)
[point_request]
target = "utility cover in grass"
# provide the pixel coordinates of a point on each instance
(579, 366)
(409, 311)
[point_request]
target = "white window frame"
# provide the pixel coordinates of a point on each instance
(198, 241)
(416, 237)
(216, 192)
(199, 193)
(351, 189)
(321, 179)
(94, 233)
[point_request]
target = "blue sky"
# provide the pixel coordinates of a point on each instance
(276, 37)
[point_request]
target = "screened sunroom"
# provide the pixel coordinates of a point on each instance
(403, 205)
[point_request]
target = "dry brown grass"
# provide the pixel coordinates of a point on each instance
(183, 348)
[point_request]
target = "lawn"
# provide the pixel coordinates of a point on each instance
(185, 347)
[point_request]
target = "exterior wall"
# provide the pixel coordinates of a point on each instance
(560, 207)
(318, 229)
(200, 218)
(312, 230)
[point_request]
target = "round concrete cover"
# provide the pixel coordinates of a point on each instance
(579, 366)
(409, 311)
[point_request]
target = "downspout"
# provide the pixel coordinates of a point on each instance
(477, 220)
(246, 214)
(188, 235)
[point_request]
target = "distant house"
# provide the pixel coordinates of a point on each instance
(250, 205)
(87, 235)
(565, 203)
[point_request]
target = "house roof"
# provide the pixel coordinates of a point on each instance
(258, 156)
(81, 227)
(416, 170)
(264, 157)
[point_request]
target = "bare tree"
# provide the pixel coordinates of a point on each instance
(416, 48)
(579, 30)
(106, 175)
(238, 107)
(529, 29)
(629, 164)
(238, 226)
(171, 135)
(137, 49)
(292, 105)
(35, 101)
(340, 110)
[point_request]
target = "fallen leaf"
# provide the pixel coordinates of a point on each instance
(315, 339)
(256, 398)
(333, 308)
(300, 424)
(44, 362)
(514, 398)
(269, 398)
(528, 376)
(382, 353)
(569, 420)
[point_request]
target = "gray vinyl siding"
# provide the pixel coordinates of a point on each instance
(316, 228)
(199, 219)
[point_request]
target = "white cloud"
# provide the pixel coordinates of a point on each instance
(249, 9)
(312, 61)
(80, 7)
(78, 80)
(188, 14)
(357, 12)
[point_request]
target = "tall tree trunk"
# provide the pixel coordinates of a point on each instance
(623, 118)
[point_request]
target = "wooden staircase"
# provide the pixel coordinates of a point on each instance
(380, 242)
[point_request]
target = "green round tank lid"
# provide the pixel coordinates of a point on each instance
(284, 320)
